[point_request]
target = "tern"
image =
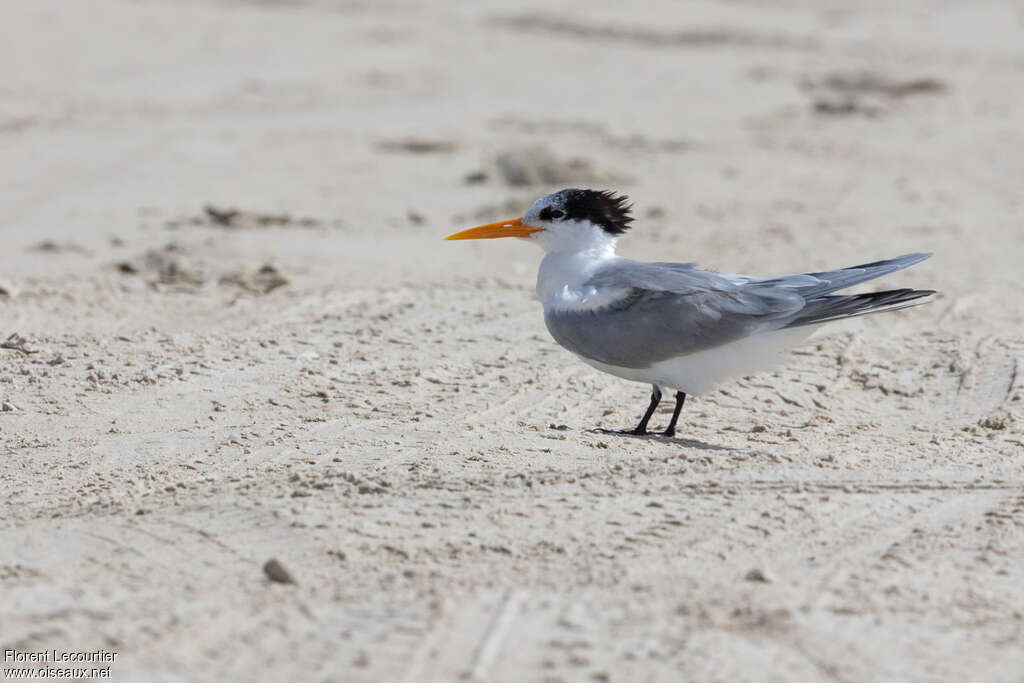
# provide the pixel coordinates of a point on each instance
(672, 325)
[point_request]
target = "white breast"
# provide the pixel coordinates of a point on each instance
(562, 281)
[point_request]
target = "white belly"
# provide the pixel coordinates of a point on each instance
(701, 372)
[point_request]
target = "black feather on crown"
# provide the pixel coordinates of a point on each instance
(603, 208)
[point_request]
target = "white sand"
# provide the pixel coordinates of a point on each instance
(380, 424)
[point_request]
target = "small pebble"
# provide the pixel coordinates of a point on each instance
(759, 575)
(276, 572)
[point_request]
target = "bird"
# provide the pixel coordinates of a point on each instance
(673, 325)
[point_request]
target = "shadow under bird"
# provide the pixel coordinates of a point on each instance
(672, 325)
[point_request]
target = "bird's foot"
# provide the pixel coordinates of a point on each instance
(636, 432)
(624, 432)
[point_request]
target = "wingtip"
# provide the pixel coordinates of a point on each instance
(911, 259)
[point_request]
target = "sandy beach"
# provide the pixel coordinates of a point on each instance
(230, 333)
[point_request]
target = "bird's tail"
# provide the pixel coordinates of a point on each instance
(825, 308)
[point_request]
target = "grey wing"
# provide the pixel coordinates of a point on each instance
(662, 311)
(821, 305)
(811, 285)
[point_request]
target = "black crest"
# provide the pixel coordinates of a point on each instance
(603, 208)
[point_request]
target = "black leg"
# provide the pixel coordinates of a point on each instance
(641, 428)
(680, 398)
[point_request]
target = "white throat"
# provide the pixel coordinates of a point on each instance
(562, 277)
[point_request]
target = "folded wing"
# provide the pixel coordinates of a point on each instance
(660, 311)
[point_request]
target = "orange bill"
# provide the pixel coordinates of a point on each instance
(511, 228)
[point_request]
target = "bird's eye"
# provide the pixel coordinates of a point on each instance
(556, 214)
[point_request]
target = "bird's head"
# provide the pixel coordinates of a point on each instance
(568, 220)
